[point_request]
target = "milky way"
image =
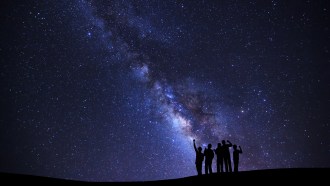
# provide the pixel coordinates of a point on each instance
(117, 90)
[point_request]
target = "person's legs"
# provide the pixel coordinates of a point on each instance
(206, 168)
(235, 167)
(210, 167)
(229, 165)
(221, 165)
(226, 164)
(199, 169)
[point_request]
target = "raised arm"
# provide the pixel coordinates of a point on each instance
(229, 143)
(240, 149)
(195, 145)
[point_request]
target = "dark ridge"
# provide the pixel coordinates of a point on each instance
(266, 177)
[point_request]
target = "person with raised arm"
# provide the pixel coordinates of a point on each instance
(226, 155)
(236, 153)
(199, 159)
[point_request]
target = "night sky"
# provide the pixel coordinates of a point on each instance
(117, 90)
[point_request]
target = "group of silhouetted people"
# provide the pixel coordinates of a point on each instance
(223, 157)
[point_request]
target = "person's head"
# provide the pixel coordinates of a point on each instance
(223, 142)
(219, 144)
(235, 147)
(200, 149)
(209, 145)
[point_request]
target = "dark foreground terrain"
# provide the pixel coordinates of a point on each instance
(265, 177)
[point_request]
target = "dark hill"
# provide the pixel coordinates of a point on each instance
(265, 177)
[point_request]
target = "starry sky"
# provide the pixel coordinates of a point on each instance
(117, 90)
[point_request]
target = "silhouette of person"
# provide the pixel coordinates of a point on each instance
(219, 152)
(226, 155)
(209, 155)
(199, 159)
(236, 153)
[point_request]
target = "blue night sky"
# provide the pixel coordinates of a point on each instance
(117, 90)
